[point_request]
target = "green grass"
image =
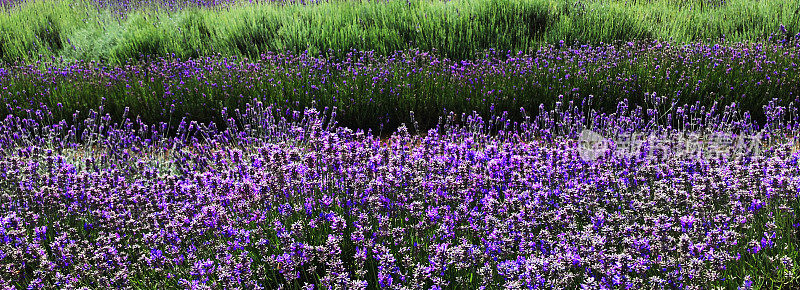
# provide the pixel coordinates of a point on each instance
(456, 29)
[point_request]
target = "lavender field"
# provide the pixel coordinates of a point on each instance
(615, 157)
(287, 199)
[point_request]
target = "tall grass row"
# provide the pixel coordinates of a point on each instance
(460, 29)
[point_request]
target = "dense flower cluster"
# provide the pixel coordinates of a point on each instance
(287, 199)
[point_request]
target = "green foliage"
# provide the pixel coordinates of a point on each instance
(196, 37)
(49, 34)
(458, 29)
(139, 41)
(3, 41)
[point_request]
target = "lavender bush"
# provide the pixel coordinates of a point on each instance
(373, 91)
(285, 199)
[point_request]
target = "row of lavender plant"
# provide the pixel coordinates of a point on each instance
(285, 199)
(373, 91)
